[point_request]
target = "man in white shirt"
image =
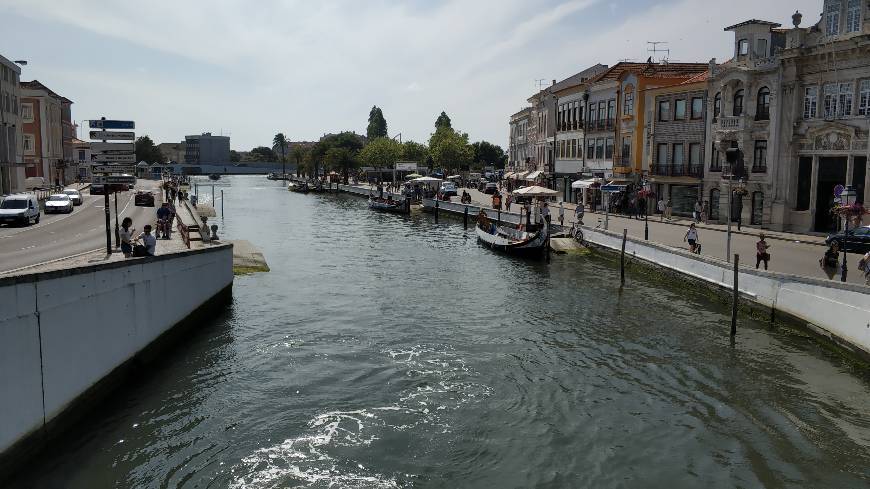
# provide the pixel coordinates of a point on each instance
(149, 241)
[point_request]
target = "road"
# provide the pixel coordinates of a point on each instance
(63, 235)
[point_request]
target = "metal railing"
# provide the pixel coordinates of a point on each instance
(730, 122)
(759, 168)
(696, 171)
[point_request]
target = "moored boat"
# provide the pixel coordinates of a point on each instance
(517, 241)
(387, 205)
(300, 187)
(214, 176)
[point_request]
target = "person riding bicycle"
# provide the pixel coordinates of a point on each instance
(164, 221)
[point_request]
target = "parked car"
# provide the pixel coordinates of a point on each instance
(448, 189)
(144, 199)
(74, 195)
(34, 183)
(98, 189)
(857, 240)
(490, 188)
(58, 203)
(19, 209)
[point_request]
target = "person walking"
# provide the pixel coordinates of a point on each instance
(830, 262)
(508, 201)
(761, 254)
(579, 211)
(496, 201)
(669, 209)
(561, 213)
(696, 212)
(126, 234)
(705, 211)
(661, 206)
(692, 237)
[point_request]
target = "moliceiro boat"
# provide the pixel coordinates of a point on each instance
(388, 205)
(532, 241)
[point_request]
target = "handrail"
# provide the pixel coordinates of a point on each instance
(182, 229)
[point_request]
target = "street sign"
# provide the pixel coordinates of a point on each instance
(111, 124)
(838, 190)
(113, 179)
(115, 158)
(113, 169)
(113, 136)
(112, 148)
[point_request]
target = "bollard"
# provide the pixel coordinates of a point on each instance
(735, 297)
(436, 210)
(465, 217)
(212, 196)
(222, 203)
(622, 258)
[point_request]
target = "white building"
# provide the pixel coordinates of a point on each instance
(11, 145)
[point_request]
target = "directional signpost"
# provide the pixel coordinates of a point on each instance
(111, 174)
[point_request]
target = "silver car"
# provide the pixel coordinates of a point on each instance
(58, 203)
(74, 195)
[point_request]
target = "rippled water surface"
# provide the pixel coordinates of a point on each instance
(384, 351)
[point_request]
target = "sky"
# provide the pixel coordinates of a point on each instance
(305, 68)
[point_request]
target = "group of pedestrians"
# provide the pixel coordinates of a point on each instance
(145, 244)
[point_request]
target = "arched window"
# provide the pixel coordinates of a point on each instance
(738, 103)
(757, 208)
(628, 101)
(714, 204)
(717, 106)
(762, 108)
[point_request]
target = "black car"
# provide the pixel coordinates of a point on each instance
(858, 240)
(144, 199)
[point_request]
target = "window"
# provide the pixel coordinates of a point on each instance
(832, 18)
(664, 110)
(759, 160)
(590, 149)
(575, 143)
(628, 102)
(714, 204)
(662, 155)
(611, 110)
(599, 149)
(830, 101)
(695, 154)
(717, 106)
(853, 16)
(29, 146)
(697, 107)
(679, 109)
(601, 108)
(26, 112)
(742, 47)
(678, 158)
(15, 105)
(761, 48)
(811, 100)
(715, 159)
(593, 117)
(608, 149)
(762, 108)
(844, 101)
(864, 98)
(81, 155)
(626, 149)
(738, 103)
(757, 208)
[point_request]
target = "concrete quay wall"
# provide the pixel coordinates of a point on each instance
(62, 332)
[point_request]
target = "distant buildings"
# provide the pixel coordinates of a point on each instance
(42, 128)
(173, 152)
(11, 150)
(207, 149)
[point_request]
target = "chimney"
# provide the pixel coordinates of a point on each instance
(554, 82)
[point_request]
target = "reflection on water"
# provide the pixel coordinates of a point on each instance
(386, 351)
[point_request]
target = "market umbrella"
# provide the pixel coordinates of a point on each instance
(535, 191)
(413, 175)
(426, 180)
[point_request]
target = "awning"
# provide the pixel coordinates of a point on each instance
(534, 175)
(519, 175)
(613, 187)
(508, 175)
(587, 183)
(536, 191)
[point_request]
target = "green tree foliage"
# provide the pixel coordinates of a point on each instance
(450, 149)
(350, 141)
(147, 151)
(300, 155)
(342, 160)
(279, 145)
(443, 121)
(414, 151)
(381, 153)
(235, 156)
(377, 127)
(262, 153)
(488, 154)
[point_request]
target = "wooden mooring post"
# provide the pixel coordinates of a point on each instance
(735, 297)
(622, 258)
(436, 210)
(222, 203)
(465, 217)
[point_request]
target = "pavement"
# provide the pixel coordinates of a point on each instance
(60, 236)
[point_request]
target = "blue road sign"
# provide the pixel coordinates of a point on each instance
(111, 124)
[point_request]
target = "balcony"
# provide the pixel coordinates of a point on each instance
(730, 123)
(759, 168)
(716, 167)
(693, 171)
(602, 125)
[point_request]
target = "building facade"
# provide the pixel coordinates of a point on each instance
(519, 154)
(207, 149)
(11, 149)
(173, 152)
(42, 132)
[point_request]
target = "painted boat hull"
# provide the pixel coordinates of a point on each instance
(398, 207)
(535, 245)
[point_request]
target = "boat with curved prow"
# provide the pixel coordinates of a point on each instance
(214, 176)
(387, 205)
(515, 241)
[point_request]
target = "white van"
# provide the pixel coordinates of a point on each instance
(19, 209)
(34, 183)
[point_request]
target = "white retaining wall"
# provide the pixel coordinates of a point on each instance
(88, 321)
(835, 309)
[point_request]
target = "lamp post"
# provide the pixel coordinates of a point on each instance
(646, 190)
(847, 196)
(735, 169)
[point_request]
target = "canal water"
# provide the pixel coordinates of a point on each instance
(385, 351)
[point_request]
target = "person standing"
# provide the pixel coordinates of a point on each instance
(508, 201)
(661, 206)
(496, 201)
(692, 237)
(696, 213)
(579, 211)
(761, 254)
(126, 234)
(705, 211)
(545, 212)
(669, 209)
(561, 213)
(864, 266)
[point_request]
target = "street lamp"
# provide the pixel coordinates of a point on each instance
(847, 197)
(646, 190)
(735, 169)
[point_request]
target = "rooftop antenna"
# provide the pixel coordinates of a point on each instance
(654, 49)
(540, 82)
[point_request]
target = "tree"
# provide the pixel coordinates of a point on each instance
(299, 154)
(348, 140)
(450, 149)
(380, 153)
(147, 151)
(280, 142)
(262, 153)
(235, 156)
(377, 127)
(443, 121)
(414, 151)
(487, 153)
(341, 159)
